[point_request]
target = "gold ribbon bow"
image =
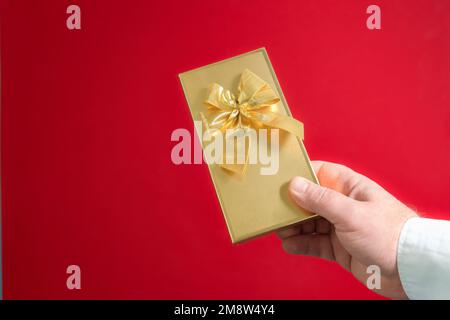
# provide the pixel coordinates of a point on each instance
(256, 106)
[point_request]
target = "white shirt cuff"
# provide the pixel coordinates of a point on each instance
(423, 258)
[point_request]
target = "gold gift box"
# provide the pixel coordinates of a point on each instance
(252, 204)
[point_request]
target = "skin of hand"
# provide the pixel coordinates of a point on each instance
(360, 224)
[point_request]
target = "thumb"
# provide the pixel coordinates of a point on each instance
(330, 204)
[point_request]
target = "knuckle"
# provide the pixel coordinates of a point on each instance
(292, 247)
(287, 248)
(322, 195)
(320, 199)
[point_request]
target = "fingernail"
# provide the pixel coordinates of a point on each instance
(299, 185)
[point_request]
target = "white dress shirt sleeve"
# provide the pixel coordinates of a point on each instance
(423, 258)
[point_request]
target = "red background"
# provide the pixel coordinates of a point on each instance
(87, 117)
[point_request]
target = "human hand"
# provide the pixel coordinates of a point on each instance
(362, 226)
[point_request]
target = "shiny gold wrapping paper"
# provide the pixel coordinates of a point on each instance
(252, 204)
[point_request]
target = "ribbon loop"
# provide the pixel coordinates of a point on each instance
(255, 107)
